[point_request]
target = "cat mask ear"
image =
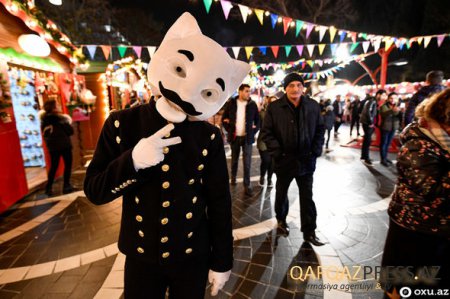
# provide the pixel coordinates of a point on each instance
(184, 26)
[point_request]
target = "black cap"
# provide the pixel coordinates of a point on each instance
(292, 77)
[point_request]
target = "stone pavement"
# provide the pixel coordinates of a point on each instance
(65, 247)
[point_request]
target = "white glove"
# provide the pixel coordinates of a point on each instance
(217, 280)
(149, 151)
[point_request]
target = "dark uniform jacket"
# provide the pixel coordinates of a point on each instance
(251, 119)
(173, 211)
(293, 144)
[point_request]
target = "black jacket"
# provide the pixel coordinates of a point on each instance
(294, 145)
(418, 98)
(251, 119)
(56, 130)
(369, 112)
(173, 211)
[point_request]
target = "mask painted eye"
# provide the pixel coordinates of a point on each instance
(180, 71)
(210, 95)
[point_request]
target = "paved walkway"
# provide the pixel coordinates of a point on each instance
(65, 247)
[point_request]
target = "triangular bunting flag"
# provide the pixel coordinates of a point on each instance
(299, 49)
(353, 35)
(365, 46)
(286, 24)
(376, 44)
(207, 5)
(137, 50)
(263, 50)
(91, 49)
(244, 12)
(319, 62)
(303, 65)
(332, 33)
(440, 39)
(310, 63)
(226, 7)
(388, 43)
(397, 43)
(419, 40)
(353, 47)
(275, 50)
(236, 51)
(106, 50)
(309, 28)
(426, 41)
(310, 49)
(333, 49)
(321, 47)
(322, 30)
(287, 49)
(248, 51)
(260, 15)
(151, 51)
(273, 19)
(409, 43)
(402, 44)
(122, 50)
(298, 27)
(342, 35)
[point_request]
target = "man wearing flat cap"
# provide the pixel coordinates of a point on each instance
(294, 134)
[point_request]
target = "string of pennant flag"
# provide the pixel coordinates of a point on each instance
(299, 25)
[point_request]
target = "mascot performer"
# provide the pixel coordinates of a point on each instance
(169, 166)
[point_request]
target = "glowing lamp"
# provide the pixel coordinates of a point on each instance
(34, 45)
(55, 2)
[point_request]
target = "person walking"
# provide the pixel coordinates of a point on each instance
(266, 159)
(355, 111)
(390, 123)
(56, 129)
(294, 134)
(338, 114)
(368, 119)
(241, 120)
(418, 237)
(328, 118)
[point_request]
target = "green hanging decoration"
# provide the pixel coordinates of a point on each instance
(288, 50)
(353, 47)
(122, 50)
(207, 5)
(298, 27)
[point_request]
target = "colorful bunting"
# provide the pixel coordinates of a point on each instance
(299, 49)
(322, 30)
(310, 49)
(287, 49)
(236, 51)
(274, 20)
(321, 47)
(244, 12)
(260, 15)
(365, 46)
(353, 47)
(91, 49)
(248, 51)
(333, 49)
(137, 50)
(151, 51)
(286, 24)
(122, 50)
(226, 7)
(309, 28)
(207, 5)
(298, 27)
(106, 51)
(440, 39)
(332, 33)
(342, 36)
(263, 50)
(275, 50)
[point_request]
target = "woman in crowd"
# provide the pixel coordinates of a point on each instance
(328, 118)
(419, 230)
(266, 160)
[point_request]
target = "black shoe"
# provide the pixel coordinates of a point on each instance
(368, 162)
(283, 227)
(312, 239)
(233, 181)
(384, 163)
(68, 189)
(261, 181)
(248, 191)
(389, 162)
(269, 183)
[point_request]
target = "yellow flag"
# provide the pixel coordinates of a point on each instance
(248, 51)
(321, 47)
(260, 15)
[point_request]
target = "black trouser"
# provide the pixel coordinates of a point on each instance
(151, 280)
(367, 140)
(55, 156)
(308, 213)
(328, 137)
(355, 121)
(246, 157)
(266, 164)
(337, 124)
(407, 248)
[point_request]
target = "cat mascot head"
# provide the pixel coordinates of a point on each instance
(193, 74)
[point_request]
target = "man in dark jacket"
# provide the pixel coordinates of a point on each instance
(294, 134)
(241, 120)
(434, 81)
(338, 113)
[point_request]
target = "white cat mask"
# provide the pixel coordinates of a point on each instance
(193, 74)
